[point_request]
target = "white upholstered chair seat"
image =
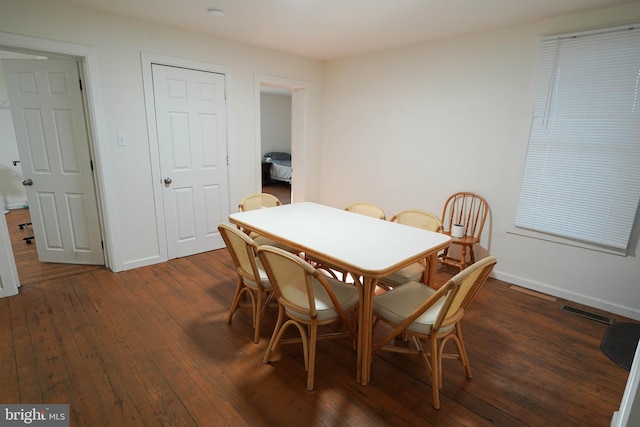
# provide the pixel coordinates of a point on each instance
(397, 305)
(346, 294)
(264, 279)
(413, 272)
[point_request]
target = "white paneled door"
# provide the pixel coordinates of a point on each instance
(191, 127)
(48, 116)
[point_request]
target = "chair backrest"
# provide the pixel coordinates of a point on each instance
(470, 280)
(452, 298)
(440, 301)
(367, 209)
(291, 278)
(418, 218)
(467, 209)
(258, 201)
(243, 251)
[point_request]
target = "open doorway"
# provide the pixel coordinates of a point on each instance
(275, 142)
(291, 134)
(12, 193)
(14, 198)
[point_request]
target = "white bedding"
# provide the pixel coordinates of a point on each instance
(281, 170)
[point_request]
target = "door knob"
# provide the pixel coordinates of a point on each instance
(167, 181)
(27, 182)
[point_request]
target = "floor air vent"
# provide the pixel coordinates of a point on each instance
(588, 315)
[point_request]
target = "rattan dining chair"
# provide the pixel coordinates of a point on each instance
(307, 299)
(368, 209)
(258, 201)
(417, 218)
(419, 312)
(252, 281)
(261, 201)
(468, 210)
(417, 271)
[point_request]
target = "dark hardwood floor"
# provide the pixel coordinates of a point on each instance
(279, 189)
(150, 346)
(30, 269)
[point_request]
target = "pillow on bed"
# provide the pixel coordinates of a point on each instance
(278, 156)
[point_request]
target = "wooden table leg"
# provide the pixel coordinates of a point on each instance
(431, 260)
(365, 331)
(359, 356)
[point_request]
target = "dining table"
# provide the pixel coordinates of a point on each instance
(368, 248)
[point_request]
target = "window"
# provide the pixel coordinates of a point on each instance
(581, 178)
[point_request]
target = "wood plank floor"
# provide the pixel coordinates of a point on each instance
(150, 346)
(279, 189)
(30, 269)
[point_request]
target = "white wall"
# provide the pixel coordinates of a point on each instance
(419, 123)
(275, 123)
(126, 171)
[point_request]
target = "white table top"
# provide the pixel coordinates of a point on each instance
(367, 246)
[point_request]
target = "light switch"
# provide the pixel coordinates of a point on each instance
(122, 139)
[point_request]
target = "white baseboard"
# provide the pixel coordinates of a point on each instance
(568, 295)
(142, 262)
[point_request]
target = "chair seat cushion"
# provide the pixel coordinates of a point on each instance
(263, 278)
(410, 273)
(398, 304)
(346, 294)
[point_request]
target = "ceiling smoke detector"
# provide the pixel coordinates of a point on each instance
(218, 13)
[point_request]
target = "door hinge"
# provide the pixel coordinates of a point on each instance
(227, 160)
(80, 84)
(102, 244)
(91, 164)
(225, 94)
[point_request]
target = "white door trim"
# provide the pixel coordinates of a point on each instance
(88, 60)
(299, 109)
(9, 280)
(147, 81)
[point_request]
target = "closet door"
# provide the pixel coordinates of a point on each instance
(190, 113)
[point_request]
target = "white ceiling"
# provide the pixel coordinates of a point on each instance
(330, 29)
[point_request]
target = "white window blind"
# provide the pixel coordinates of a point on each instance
(581, 179)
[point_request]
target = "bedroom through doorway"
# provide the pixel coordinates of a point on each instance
(276, 141)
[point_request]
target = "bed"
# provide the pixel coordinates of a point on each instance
(280, 166)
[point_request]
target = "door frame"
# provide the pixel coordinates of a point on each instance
(87, 58)
(147, 60)
(9, 280)
(299, 109)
